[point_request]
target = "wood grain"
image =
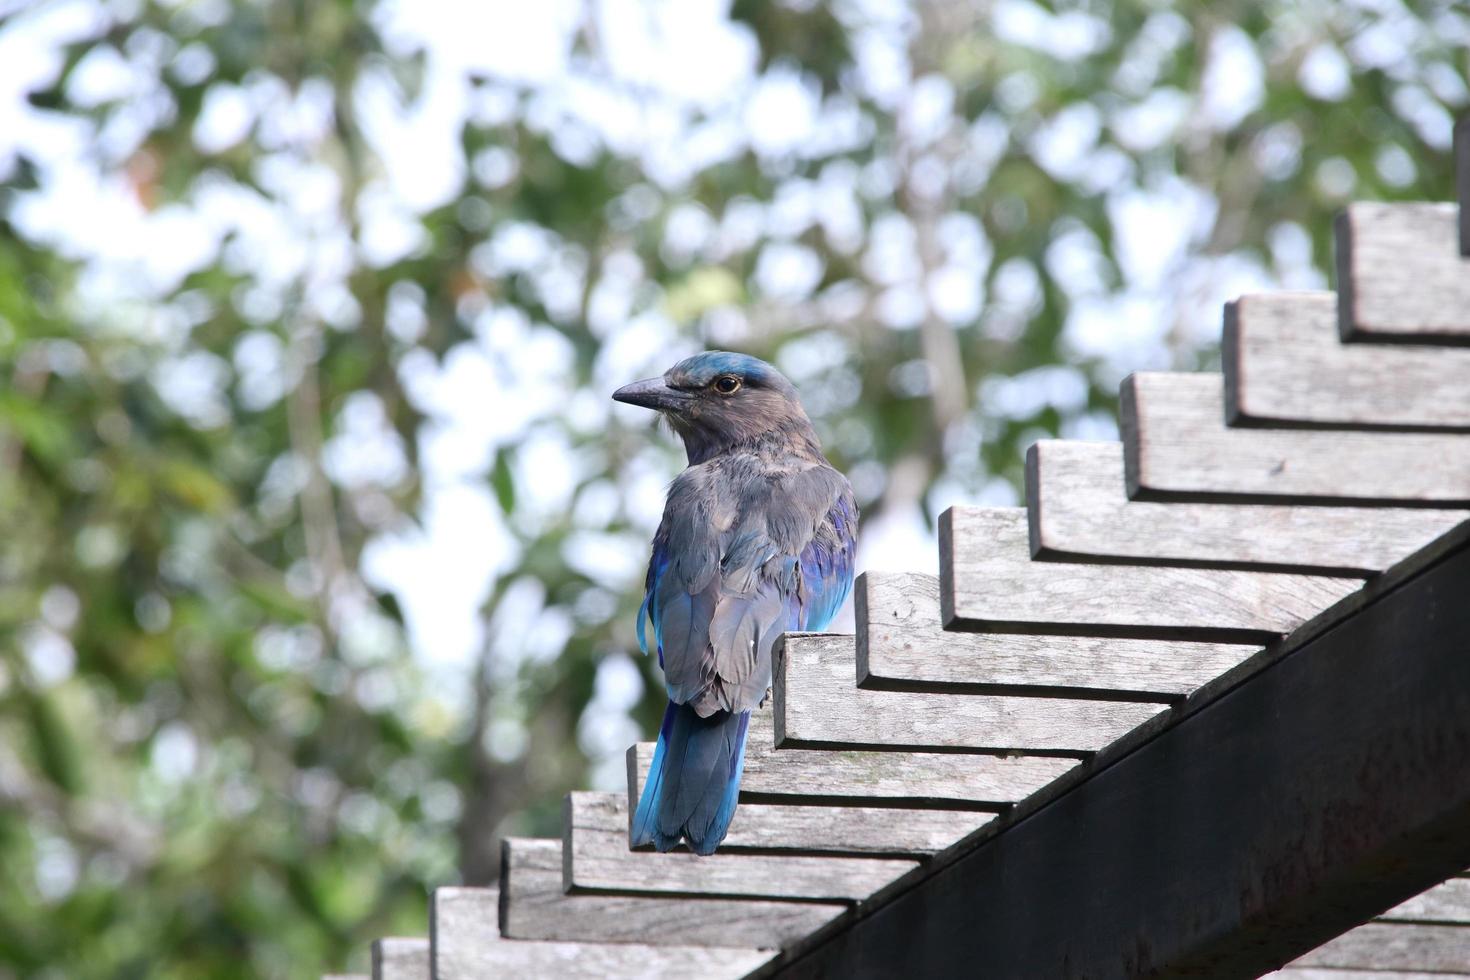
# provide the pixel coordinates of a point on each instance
(467, 945)
(856, 776)
(1176, 445)
(533, 906)
(943, 782)
(900, 646)
(1401, 274)
(400, 959)
(1078, 511)
(888, 777)
(816, 828)
(1286, 365)
(596, 857)
(989, 582)
(817, 702)
(1446, 903)
(1395, 946)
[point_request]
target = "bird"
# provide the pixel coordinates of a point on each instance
(758, 537)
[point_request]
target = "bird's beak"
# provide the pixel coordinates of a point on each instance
(653, 393)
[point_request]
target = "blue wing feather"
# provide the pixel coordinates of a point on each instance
(642, 634)
(658, 563)
(826, 571)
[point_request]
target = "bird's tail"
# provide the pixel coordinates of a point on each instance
(694, 780)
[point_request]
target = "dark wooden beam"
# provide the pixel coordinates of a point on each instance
(1320, 791)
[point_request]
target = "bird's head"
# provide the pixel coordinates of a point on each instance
(717, 401)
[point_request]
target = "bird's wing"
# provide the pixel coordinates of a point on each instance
(678, 593)
(827, 564)
(743, 554)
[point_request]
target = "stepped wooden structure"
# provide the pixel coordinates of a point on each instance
(1201, 708)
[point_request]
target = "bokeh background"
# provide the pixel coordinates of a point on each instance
(320, 540)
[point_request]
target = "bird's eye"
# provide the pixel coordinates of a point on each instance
(727, 385)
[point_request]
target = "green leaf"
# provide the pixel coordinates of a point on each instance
(46, 435)
(194, 486)
(502, 480)
(56, 750)
(277, 601)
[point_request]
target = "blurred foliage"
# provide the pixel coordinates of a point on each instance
(218, 754)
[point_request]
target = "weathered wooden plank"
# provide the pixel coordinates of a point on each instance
(840, 829)
(1401, 275)
(1078, 511)
(596, 857)
(467, 945)
(400, 959)
(1395, 946)
(1446, 903)
(1314, 973)
(887, 777)
(816, 702)
(1284, 363)
(1462, 180)
(1329, 785)
(987, 581)
(884, 778)
(533, 906)
(1176, 445)
(900, 646)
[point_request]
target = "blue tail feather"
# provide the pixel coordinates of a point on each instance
(694, 781)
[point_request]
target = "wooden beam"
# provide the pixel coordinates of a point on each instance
(532, 905)
(596, 858)
(1395, 946)
(1401, 275)
(1176, 446)
(883, 778)
(817, 704)
(901, 647)
(400, 959)
(467, 945)
(1328, 786)
(1078, 511)
(1462, 180)
(1285, 365)
(812, 827)
(987, 581)
(876, 779)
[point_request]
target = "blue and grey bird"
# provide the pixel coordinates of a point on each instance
(758, 537)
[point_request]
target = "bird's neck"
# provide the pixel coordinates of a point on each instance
(793, 437)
